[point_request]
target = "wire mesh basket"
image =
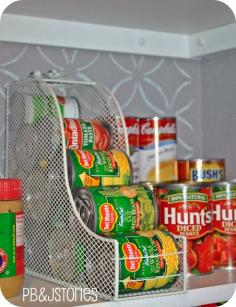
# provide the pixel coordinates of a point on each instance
(59, 247)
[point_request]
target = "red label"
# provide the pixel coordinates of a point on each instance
(138, 215)
(188, 215)
(156, 129)
(85, 158)
(160, 252)
(132, 126)
(3, 261)
(73, 134)
(108, 217)
(183, 170)
(20, 263)
(133, 257)
(224, 216)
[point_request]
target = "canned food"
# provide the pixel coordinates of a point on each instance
(117, 209)
(148, 260)
(186, 210)
(201, 170)
(132, 126)
(93, 134)
(40, 106)
(224, 223)
(157, 142)
(92, 168)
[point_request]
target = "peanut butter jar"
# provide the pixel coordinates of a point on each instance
(12, 266)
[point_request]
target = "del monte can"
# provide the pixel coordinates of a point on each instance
(149, 260)
(117, 209)
(224, 223)
(186, 210)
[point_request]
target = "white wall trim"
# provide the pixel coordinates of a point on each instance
(51, 32)
(213, 41)
(40, 31)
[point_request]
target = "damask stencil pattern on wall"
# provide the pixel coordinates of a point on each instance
(143, 85)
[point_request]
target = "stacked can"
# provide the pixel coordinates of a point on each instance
(224, 223)
(132, 126)
(157, 142)
(154, 160)
(201, 170)
(186, 210)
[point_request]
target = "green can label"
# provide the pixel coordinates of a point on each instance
(95, 168)
(123, 209)
(11, 244)
(144, 261)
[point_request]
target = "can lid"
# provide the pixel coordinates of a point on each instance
(10, 189)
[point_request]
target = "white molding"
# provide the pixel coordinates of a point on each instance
(59, 33)
(213, 41)
(40, 31)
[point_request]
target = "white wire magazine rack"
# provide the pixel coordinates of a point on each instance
(59, 247)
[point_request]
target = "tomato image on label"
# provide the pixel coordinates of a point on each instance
(3, 261)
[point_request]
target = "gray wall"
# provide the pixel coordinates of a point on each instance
(143, 85)
(219, 109)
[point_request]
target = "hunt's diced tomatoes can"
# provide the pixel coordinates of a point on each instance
(132, 126)
(224, 223)
(186, 210)
(157, 144)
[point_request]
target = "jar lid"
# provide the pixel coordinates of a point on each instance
(10, 189)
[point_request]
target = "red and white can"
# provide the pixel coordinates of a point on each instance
(157, 145)
(224, 223)
(132, 126)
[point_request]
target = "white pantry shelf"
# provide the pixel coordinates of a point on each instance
(206, 289)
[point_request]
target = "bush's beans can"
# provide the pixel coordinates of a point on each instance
(90, 168)
(186, 210)
(224, 223)
(132, 126)
(81, 134)
(157, 143)
(117, 209)
(148, 260)
(201, 170)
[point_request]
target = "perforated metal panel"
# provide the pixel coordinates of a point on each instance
(59, 247)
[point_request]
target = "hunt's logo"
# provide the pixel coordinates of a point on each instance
(206, 175)
(86, 159)
(133, 256)
(187, 214)
(3, 261)
(108, 217)
(224, 212)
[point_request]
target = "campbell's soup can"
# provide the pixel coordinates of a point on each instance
(82, 134)
(201, 170)
(132, 126)
(224, 224)
(91, 168)
(117, 209)
(148, 260)
(157, 144)
(186, 210)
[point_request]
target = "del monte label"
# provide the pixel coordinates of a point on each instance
(86, 159)
(108, 217)
(133, 256)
